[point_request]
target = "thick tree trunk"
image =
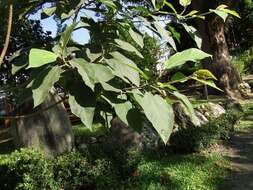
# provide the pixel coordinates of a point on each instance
(212, 31)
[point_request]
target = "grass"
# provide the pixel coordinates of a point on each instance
(82, 131)
(180, 172)
(156, 171)
(244, 125)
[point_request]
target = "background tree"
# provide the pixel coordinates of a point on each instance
(212, 31)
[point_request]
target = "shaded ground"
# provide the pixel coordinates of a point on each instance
(241, 156)
(240, 153)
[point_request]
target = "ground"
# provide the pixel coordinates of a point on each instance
(240, 154)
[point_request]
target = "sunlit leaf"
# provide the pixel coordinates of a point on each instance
(185, 3)
(136, 37)
(124, 68)
(181, 58)
(159, 113)
(128, 47)
(204, 74)
(40, 57)
(188, 105)
(43, 83)
(207, 82)
(82, 103)
(49, 11)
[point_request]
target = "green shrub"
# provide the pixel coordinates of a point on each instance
(244, 61)
(197, 138)
(29, 169)
(26, 169)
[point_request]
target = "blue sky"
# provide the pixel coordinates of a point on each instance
(81, 36)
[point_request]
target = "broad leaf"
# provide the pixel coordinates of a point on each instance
(124, 68)
(181, 58)
(122, 111)
(40, 57)
(207, 82)
(188, 105)
(101, 73)
(66, 36)
(82, 103)
(136, 37)
(204, 74)
(43, 84)
(159, 113)
(225, 9)
(128, 47)
(194, 34)
(49, 11)
(85, 71)
(179, 77)
(92, 73)
(165, 35)
(220, 13)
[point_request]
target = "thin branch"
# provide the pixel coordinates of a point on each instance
(34, 113)
(8, 34)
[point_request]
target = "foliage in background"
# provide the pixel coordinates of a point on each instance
(244, 61)
(199, 138)
(29, 169)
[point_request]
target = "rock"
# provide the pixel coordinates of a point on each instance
(182, 118)
(244, 89)
(123, 135)
(201, 117)
(50, 130)
(211, 110)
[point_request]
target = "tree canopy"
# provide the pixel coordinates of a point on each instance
(107, 76)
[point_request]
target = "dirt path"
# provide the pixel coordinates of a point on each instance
(241, 155)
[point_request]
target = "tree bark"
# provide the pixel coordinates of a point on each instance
(212, 31)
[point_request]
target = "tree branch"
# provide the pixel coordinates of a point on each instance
(8, 34)
(34, 113)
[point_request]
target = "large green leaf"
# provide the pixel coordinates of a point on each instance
(82, 103)
(159, 113)
(84, 70)
(66, 36)
(92, 73)
(181, 58)
(136, 37)
(207, 82)
(43, 84)
(128, 47)
(188, 105)
(220, 13)
(40, 57)
(165, 35)
(122, 110)
(102, 73)
(130, 115)
(124, 68)
(204, 74)
(194, 34)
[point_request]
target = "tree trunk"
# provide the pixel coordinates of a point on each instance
(212, 31)
(50, 130)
